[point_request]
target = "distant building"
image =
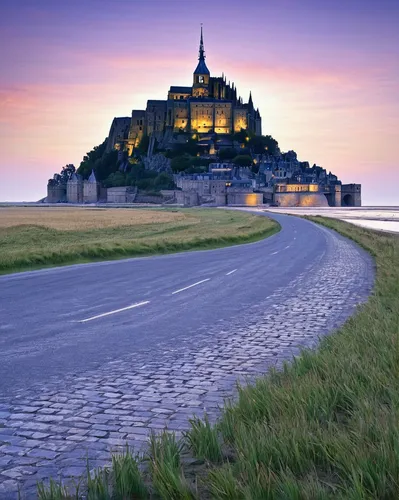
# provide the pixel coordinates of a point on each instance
(210, 111)
(209, 105)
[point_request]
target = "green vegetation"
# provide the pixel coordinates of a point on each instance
(139, 232)
(103, 164)
(166, 470)
(114, 170)
(324, 427)
(243, 160)
(127, 481)
(137, 175)
(204, 441)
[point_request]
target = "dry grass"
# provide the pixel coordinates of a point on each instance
(72, 235)
(76, 218)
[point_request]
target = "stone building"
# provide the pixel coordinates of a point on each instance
(119, 133)
(209, 105)
(91, 189)
(56, 193)
(74, 189)
(351, 195)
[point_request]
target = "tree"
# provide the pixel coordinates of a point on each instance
(241, 136)
(189, 147)
(106, 165)
(261, 144)
(164, 181)
(116, 179)
(181, 163)
(67, 172)
(243, 161)
(227, 154)
(89, 160)
(198, 161)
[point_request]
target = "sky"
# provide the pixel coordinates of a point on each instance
(325, 75)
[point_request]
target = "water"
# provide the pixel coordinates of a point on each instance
(380, 218)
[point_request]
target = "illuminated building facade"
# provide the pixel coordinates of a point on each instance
(210, 105)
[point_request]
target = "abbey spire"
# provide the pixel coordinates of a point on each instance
(201, 68)
(201, 56)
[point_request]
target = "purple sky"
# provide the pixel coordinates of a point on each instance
(324, 74)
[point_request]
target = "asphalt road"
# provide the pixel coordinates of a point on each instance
(71, 319)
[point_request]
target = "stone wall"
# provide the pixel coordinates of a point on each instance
(56, 194)
(201, 115)
(136, 130)
(300, 199)
(240, 119)
(91, 191)
(187, 198)
(118, 132)
(75, 191)
(148, 198)
(125, 194)
(351, 195)
(245, 198)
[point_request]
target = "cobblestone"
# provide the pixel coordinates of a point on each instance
(55, 427)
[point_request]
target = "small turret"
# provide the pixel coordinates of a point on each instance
(250, 102)
(92, 177)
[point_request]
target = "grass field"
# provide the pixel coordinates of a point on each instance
(31, 238)
(324, 427)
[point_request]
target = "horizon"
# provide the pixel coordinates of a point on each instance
(326, 80)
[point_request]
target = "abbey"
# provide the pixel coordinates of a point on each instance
(209, 106)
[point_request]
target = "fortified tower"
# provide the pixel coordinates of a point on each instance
(91, 189)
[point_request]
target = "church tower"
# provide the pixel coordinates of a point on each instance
(201, 73)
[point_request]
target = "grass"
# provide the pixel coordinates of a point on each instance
(326, 426)
(32, 238)
(166, 469)
(323, 427)
(203, 439)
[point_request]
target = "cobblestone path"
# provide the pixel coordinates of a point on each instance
(49, 430)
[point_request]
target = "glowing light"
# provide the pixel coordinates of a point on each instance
(251, 199)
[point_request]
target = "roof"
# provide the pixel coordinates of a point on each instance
(210, 99)
(92, 177)
(121, 120)
(75, 177)
(156, 101)
(180, 90)
(201, 69)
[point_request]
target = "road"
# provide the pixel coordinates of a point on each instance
(94, 355)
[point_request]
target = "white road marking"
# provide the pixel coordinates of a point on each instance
(288, 246)
(115, 312)
(231, 272)
(187, 287)
(274, 253)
